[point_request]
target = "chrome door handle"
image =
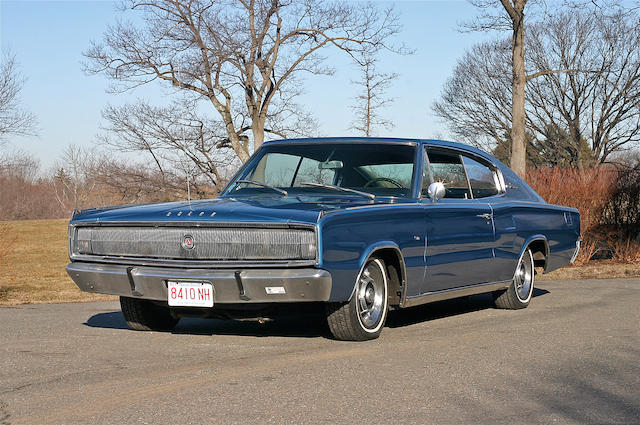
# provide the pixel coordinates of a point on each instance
(485, 216)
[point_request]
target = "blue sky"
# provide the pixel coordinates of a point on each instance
(48, 38)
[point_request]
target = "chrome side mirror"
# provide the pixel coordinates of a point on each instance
(436, 191)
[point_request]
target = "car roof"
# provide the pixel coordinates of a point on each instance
(428, 142)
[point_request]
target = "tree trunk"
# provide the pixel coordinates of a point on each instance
(518, 135)
(257, 127)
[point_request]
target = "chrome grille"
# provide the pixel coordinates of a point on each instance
(212, 243)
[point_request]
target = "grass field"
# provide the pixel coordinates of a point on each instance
(33, 255)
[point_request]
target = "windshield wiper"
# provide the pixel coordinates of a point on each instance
(343, 189)
(277, 189)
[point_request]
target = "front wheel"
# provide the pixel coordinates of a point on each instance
(518, 294)
(144, 315)
(364, 316)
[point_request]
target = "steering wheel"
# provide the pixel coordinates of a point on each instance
(384, 179)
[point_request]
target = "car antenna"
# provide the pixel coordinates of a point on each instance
(189, 192)
(188, 185)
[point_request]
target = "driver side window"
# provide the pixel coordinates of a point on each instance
(448, 168)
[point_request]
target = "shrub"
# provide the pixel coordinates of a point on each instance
(622, 212)
(608, 199)
(587, 189)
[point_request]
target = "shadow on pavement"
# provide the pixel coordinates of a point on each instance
(308, 325)
(303, 327)
(112, 320)
(447, 308)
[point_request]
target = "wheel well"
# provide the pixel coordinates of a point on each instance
(395, 272)
(540, 253)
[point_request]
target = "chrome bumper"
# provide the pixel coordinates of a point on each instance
(230, 286)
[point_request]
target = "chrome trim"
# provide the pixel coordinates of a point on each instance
(526, 244)
(476, 157)
(447, 294)
(193, 264)
(182, 263)
(230, 286)
(360, 207)
(345, 140)
(575, 253)
(204, 223)
(402, 271)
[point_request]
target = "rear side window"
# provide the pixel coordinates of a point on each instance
(449, 169)
(483, 179)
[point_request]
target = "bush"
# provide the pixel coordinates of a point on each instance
(608, 199)
(587, 189)
(622, 212)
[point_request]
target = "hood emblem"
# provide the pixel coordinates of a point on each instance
(189, 214)
(187, 242)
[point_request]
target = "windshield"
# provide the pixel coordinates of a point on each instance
(381, 169)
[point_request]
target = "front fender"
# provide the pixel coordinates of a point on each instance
(344, 280)
(349, 237)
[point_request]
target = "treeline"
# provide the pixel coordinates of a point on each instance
(82, 179)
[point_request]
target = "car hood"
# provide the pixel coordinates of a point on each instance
(258, 209)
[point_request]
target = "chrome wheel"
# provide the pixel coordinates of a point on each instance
(518, 294)
(371, 294)
(523, 279)
(363, 316)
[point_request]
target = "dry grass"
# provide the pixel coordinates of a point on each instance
(604, 269)
(33, 256)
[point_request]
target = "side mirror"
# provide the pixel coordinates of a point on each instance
(436, 191)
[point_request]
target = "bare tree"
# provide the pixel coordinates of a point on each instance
(241, 56)
(371, 98)
(602, 106)
(571, 117)
(72, 180)
(512, 19)
(510, 15)
(476, 100)
(127, 182)
(14, 120)
(169, 135)
(20, 165)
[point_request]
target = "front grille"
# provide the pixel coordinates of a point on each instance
(212, 243)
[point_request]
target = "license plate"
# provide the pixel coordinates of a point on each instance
(190, 294)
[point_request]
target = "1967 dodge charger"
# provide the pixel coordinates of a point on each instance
(361, 225)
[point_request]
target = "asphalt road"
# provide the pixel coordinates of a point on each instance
(572, 357)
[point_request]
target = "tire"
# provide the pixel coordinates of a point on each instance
(518, 294)
(364, 316)
(144, 315)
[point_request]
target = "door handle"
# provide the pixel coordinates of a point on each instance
(486, 216)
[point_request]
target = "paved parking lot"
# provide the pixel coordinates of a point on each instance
(572, 357)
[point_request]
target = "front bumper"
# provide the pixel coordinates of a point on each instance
(230, 286)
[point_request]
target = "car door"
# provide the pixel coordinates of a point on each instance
(460, 232)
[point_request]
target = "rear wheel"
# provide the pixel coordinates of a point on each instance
(364, 316)
(144, 315)
(518, 294)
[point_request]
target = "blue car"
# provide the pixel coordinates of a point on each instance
(357, 226)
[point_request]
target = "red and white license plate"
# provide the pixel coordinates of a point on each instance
(190, 294)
